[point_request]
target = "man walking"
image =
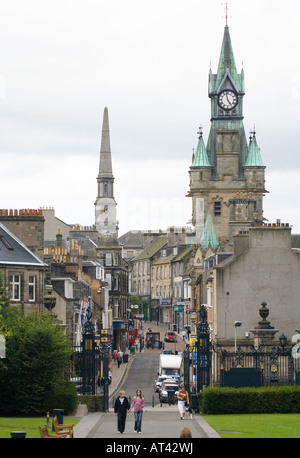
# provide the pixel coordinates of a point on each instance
(121, 407)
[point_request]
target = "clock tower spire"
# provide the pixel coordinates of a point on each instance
(230, 184)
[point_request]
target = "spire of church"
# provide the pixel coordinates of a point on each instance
(105, 167)
(105, 205)
(201, 159)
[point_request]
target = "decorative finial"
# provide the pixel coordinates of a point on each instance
(252, 133)
(226, 13)
(200, 133)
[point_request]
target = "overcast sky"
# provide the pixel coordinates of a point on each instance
(62, 62)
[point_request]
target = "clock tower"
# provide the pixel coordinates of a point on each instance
(227, 176)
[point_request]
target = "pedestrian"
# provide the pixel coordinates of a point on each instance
(137, 405)
(183, 400)
(120, 357)
(115, 356)
(136, 343)
(121, 407)
(185, 432)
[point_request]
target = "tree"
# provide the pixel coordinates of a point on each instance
(37, 357)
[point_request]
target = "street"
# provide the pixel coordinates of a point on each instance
(142, 373)
(158, 421)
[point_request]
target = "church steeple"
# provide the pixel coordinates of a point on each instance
(105, 205)
(105, 167)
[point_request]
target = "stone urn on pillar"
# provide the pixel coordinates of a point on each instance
(264, 333)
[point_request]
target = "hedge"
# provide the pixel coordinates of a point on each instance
(283, 399)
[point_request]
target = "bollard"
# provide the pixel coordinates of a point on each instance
(59, 413)
(153, 400)
(48, 418)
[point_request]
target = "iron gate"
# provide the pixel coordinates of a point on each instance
(273, 367)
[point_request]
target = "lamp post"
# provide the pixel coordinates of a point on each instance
(283, 340)
(203, 351)
(104, 352)
(237, 324)
(88, 355)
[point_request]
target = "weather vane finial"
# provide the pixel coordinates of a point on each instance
(226, 13)
(200, 133)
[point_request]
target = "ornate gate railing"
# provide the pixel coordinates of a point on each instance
(86, 363)
(253, 367)
(197, 358)
(273, 367)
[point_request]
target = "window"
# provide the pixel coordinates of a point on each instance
(15, 283)
(31, 288)
(116, 259)
(6, 243)
(217, 208)
(116, 308)
(108, 280)
(108, 259)
(116, 282)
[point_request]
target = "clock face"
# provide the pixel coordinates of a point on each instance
(227, 100)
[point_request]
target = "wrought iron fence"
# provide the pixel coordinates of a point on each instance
(273, 367)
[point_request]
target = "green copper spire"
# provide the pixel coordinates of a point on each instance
(209, 237)
(254, 157)
(201, 158)
(227, 67)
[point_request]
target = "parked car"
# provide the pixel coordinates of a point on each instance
(165, 389)
(158, 383)
(170, 336)
(79, 385)
(167, 352)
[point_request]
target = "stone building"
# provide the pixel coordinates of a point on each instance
(28, 226)
(23, 271)
(262, 268)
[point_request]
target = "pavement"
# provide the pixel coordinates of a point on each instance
(157, 421)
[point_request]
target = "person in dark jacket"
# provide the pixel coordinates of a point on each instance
(121, 407)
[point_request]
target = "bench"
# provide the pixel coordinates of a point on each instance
(62, 429)
(46, 435)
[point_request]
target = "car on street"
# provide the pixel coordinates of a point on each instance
(167, 352)
(169, 381)
(167, 390)
(170, 336)
(158, 383)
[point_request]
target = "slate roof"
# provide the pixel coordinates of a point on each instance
(14, 252)
(152, 249)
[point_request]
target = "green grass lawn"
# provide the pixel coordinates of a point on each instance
(30, 425)
(258, 426)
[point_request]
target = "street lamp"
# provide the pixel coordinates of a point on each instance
(237, 324)
(282, 340)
